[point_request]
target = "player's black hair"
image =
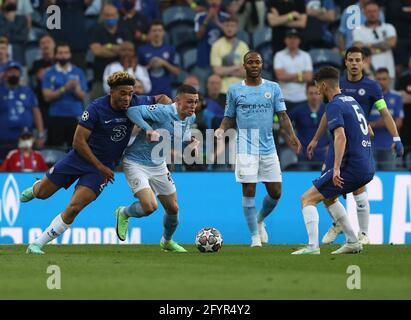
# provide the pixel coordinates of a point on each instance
(61, 44)
(328, 73)
(371, 2)
(231, 19)
(353, 50)
(250, 52)
(382, 70)
(120, 78)
(157, 22)
(185, 88)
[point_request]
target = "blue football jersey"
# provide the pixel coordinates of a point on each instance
(110, 129)
(366, 92)
(344, 111)
(254, 107)
(165, 119)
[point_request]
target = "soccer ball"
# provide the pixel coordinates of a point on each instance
(209, 240)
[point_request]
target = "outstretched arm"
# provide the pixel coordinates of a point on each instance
(289, 134)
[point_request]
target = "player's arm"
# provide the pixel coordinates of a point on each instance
(389, 122)
(289, 134)
(80, 144)
(139, 116)
(162, 99)
(340, 141)
(318, 134)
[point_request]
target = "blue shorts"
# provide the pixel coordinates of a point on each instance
(65, 172)
(352, 182)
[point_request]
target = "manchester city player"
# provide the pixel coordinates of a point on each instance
(99, 141)
(368, 94)
(251, 104)
(353, 164)
(145, 163)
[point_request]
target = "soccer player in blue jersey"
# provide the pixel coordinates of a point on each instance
(368, 94)
(251, 105)
(99, 141)
(352, 163)
(145, 164)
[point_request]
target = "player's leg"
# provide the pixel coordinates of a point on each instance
(309, 201)
(269, 203)
(170, 223)
(250, 212)
(363, 213)
(41, 189)
(340, 216)
(269, 172)
(82, 196)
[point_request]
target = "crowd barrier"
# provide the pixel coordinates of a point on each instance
(205, 199)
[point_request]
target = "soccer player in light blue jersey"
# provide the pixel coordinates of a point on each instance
(368, 94)
(145, 165)
(251, 105)
(352, 163)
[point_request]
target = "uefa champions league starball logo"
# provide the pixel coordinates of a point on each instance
(10, 204)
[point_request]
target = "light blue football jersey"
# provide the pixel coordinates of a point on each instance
(254, 107)
(165, 119)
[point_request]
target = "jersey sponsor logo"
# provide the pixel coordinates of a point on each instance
(366, 143)
(119, 132)
(267, 94)
(361, 92)
(85, 116)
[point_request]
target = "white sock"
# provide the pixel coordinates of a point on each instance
(310, 214)
(56, 228)
(363, 211)
(340, 216)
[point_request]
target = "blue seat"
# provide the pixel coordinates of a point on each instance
(324, 57)
(244, 36)
(189, 59)
(262, 37)
(178, 15)
(182, 38)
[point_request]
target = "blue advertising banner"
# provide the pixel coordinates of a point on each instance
(205, 199)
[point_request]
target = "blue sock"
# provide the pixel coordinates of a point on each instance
(250, 213)
(268, 206)
(170, 223)
(134, 210)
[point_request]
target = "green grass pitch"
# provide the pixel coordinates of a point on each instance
(237, 272)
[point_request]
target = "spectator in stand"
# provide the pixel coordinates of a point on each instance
(250, 14)
(306, 119)
(346, 28)
(4, 56)
(18, 109)
(15, 28)
(64, 87)
(128, 62)
(379, 37)
(293, 68)
(105, 45)
(25, 8)
(320, 14)
(404, 87)
(399, 15)
(47, 47)
(227, 55)
(368, 68)
(139, 88)
(209, 28)
(282, 15)
(215, 100)
(159, 59)
(193, 81)
(24, 158)
(135, 22)
(382, 138)
(148, 8)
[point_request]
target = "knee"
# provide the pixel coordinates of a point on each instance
(275, 194)
(149, 207)
(305, 200)
(73, 209)
(172, 209)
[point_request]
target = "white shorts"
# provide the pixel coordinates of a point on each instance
(257, 168)
(141, 177)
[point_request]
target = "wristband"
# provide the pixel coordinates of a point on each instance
(398, 146)
(290, 17)
(396, 139)
(109, 45)
(41, 135)
(193, 5)
(300, 77)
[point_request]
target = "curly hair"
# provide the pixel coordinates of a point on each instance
(120, 78)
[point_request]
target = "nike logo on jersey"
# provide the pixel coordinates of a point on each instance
(108, 121)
